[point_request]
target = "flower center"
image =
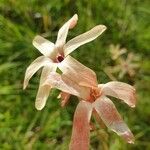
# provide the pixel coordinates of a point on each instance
(60, 58)
(94, 94)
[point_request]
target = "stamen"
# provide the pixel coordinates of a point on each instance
(94, 94)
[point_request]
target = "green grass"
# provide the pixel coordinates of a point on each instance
(21, 125)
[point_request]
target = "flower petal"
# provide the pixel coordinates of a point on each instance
(110, 116)
(63, 31)
(43, 91)
(78, 72)
(81, 127)
(98, 119)
(67, 85)
(64, 98)
(86, 37)
(34, 67)
(121, 91)
(44, 46)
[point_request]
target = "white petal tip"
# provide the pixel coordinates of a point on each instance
(102, 27)
(38, 40)
(39, 104)
(35, 38)
(75, 17)
(131, 142)
(73, 22)
(38, 107)
(132, 106)
(24, 87)
(129, 137)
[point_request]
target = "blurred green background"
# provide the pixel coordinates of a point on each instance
(128, 23)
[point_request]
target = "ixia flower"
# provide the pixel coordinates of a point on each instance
(54, 54)
(93, 98)
(122, 66)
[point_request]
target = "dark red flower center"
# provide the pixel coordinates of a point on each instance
(60, 58)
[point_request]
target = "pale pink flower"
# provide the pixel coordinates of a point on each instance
(116, 51)
(122, 66)
(54, 54)
(93, 98)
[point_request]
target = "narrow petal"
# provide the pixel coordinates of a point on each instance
(121, 91)
(43, 91)
(110, 116)
(78, 72)
(34, 67)
(44, 46)
(64, 98)
(81, 127)
(63, 31)
(86, 37)
(67, 85)
(98, 119)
